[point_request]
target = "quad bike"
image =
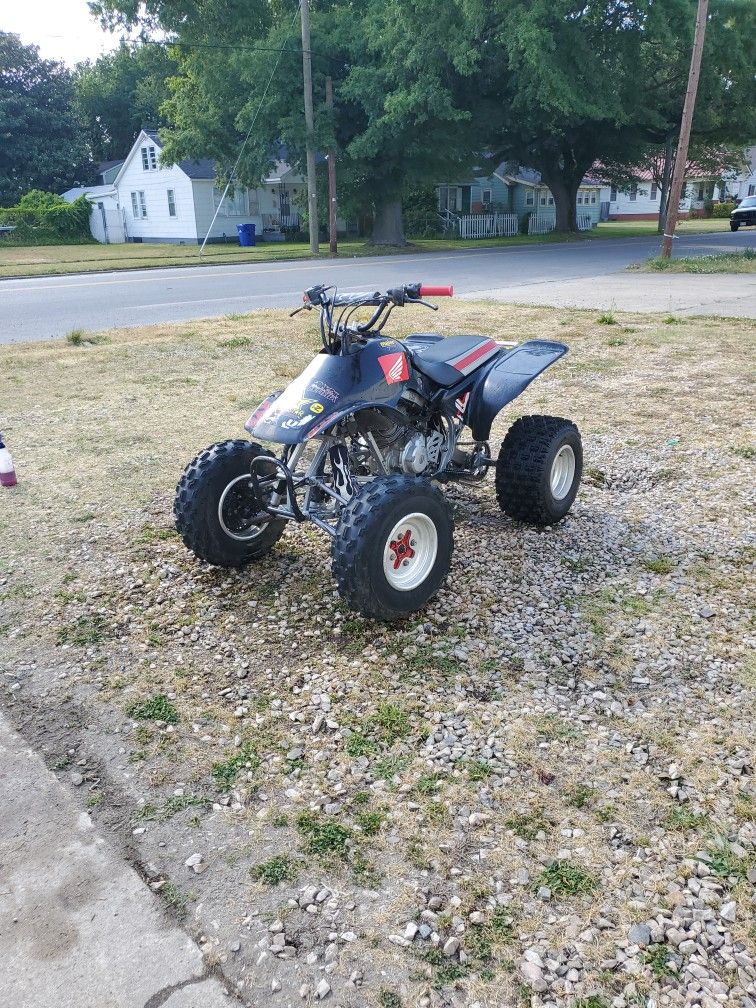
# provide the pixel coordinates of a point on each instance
(367, 432)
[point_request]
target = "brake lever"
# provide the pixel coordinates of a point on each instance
(304, 307)
(425, 304)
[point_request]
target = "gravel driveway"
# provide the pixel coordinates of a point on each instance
(538, 792)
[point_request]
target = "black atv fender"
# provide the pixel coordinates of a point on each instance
(507, 377)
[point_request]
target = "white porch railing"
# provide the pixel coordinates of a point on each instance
(485, 225)
(541, 223)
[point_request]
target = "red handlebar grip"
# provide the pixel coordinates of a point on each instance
(426, 291)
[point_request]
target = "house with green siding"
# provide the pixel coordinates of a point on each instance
(512, 192)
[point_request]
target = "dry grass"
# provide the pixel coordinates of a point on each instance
(100, 432)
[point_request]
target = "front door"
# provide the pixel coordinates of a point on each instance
(466, 199)
(283, 203)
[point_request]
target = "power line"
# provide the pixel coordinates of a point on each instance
(249, 134)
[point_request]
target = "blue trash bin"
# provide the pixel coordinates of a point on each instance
(246, 234)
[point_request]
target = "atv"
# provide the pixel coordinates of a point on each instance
(368, 433)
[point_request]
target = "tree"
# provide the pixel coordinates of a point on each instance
(398, 120)
(41, 143)
(119, 94)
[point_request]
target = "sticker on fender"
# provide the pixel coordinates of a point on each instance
(394, 367)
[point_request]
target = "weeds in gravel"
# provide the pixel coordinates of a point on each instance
(747, 452)
(726, 863)
(388, 999)
(605, 813)
(176, 899)
(681, 819)
(592, 1001)
(581, 795)
(551, 726)
(444, 972)
(528, 825)
(606, 318)
(428, 783)
(657, 957)
(87, 629)
(156, 708)
(477, 770)
(658, 565)
(369, 822)
(390, 722)
(235, 342)
(389, 767)
(566, 879)
(322, 836)
(358, 744)
(277, 869)
(226, 771)
(279, 821)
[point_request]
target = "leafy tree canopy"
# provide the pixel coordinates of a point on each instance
(119, 94)
(41, 143)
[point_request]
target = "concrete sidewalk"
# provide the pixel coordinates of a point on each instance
(78, 927)
(680, 293)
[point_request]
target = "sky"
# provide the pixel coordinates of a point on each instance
(63, 29)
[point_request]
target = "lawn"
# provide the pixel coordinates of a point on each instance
(722, 262)
(558, 748)
(59, 259)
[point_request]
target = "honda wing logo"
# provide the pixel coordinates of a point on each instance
(394, 367)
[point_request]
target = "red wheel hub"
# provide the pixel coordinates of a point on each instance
(401, 549)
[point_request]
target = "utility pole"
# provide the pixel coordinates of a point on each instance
(331, 178)
(681, 158)
(312, 194)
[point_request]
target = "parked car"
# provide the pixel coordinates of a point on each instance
(744, 213)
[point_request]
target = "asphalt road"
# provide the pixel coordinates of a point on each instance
(49, 307)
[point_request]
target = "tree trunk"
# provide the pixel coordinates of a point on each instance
(665, 184)
(564, 192)
(388, 226)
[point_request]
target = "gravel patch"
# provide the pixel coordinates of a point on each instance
(539, 791)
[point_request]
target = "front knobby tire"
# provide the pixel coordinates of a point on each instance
(393, 546)
(212, 519)
(539, 468)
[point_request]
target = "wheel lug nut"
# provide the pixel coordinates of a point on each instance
(404, 563)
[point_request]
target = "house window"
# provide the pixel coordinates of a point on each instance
(751, 190)
(701, 193)
(580, 199)
(593, 197)
(543, 201)
(529, 200)
(453, 198)
(171, 203)
(633, 192)
(149, 158)
(487, 196)
(613, 194)
(234, 205)
(654, 190)
(138, 204)
(551, 201)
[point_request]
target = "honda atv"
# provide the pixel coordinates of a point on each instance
(367, 433)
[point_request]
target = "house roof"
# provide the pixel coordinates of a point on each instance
(91, 192)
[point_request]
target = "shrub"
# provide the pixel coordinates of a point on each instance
(46, 218)
(722, 209)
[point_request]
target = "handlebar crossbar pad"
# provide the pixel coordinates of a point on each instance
(426, 291)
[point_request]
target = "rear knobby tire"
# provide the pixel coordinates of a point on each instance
(538, 469)
(388, 519)
(197, 514)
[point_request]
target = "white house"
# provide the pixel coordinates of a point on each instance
(743, 183)
(151, 202)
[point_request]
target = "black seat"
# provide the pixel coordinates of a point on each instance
(447, 361)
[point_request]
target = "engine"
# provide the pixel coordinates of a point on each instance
(403, 446)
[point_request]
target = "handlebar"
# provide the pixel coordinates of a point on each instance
(426, 291)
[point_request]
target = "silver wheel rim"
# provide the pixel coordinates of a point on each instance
(410, 551)
(254, 530)
(562, 472)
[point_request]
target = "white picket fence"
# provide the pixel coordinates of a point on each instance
(487, 225)
(584, 222)
(541, 223)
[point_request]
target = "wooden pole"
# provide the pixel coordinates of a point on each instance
(332, 238)
(312, 193)
(681, 158)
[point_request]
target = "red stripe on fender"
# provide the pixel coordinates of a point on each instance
(475, 355)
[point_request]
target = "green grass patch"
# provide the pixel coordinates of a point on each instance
(528, 825)
(428, 783)
(606, 318)
(567, 879)
(225, 772)
(84, 631)
(358, 745)
(727, 864)
(581, 795)
(80, 337)
(176, 899)
(658, 564)
(723, 262)
(323, 836)
(389, 999)
(680, 819)
(477, 770)
(155, 708)
(275, 870)
(369, 822)
(657, 957)
(236, 342)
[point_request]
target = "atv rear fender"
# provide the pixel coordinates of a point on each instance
(507, 378)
